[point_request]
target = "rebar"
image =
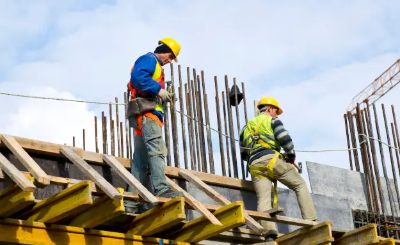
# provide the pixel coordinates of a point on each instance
(196, 124)
(84, 140)
(96, 142)
(166, 131)
(353, 140)
(118, 132)
(201, 127)
(190, 129)
(128, 153)
(122, 138)
(383, 162)
(174, 122)
(238, 123)
(226, 136)
(182, 108)
(112, 131)
(348, 141)
(207, 115)
(231, 132)
(221, 143)
(104, 130)
(397, 135)
(396, 186)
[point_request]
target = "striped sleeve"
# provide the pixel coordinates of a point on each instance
(282, 135)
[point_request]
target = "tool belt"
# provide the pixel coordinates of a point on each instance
(269, 168)
(139, 106)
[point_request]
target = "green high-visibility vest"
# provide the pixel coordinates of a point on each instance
(259, 133)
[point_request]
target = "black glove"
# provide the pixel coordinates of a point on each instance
(290, 158)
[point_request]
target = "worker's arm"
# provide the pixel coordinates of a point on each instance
(282, 135)
(141, 76)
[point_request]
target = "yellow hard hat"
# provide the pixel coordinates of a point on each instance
(173, 45)
(269, 101)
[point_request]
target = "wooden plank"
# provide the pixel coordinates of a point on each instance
(26, 160)
(92, 174)
(130, 179)
(363, 235)
(274, 211)
(16, 175)
(62, 205)
(102, 210)
(159, 218)
(200, 229)
(13, 199)
(52, 149)
(194, 203)
(15, 231)
(218, 198)
(315, 235)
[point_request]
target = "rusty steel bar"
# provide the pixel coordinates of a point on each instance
(395, 145)
(196, 131)
(84, 140)
(244, 104)
(390, 194)
(348, 141)
(131, 143)
(207, 115)
(353, 140)
(226, 135)
(126, 127)
(96, 142)
(369, 164)
(104, 131)
(202, 139)
(396, 186)
(367, 177)
(397, 135)
(172, 106)
(73, 141)
(221, 143)
(231, 131)
(112, 131)
(122, 138)
(190, 129)
(375, 160)
(238, 124)
(118, 132)
(166, 130)
(182, 108)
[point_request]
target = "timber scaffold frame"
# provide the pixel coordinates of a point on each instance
(86, 211)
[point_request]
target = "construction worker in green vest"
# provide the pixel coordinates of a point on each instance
(261, 141)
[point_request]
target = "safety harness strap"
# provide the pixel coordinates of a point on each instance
(149, 115)
(269, 168)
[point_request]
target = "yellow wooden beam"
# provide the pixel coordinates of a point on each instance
(363, 235)
(199, 229)
(315, 235)
(66, 203)
(102, 210)
(389, 241)
(13, 199)
(159, 218)
(24, 232)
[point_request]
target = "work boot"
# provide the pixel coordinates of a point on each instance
(171, 194)
(134, 207)
(271, 236)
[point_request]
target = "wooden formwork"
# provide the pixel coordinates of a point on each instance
(72, 215)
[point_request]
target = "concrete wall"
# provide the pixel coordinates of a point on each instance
(344, 185)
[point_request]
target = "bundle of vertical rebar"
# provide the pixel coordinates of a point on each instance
(362, 126)
(187, 126)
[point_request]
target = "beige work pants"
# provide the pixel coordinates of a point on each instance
(287, 174)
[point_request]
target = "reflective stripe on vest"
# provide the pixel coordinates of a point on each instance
(157, 76)
(149, 115)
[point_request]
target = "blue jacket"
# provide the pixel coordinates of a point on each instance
(141, 77)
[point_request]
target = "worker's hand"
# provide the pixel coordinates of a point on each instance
(165, 95)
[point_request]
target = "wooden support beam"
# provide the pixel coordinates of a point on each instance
(159, 218)
(316, 235)
(62, 205)
(16, 175)
(14, 231)
(52, 149)
(388, 241)
(194, 203)
(26, 160)
(130, 179)
(13, 199)
(92, 173)
(199, 229)
(274, 211)
(102, 210)
(218, 198)
(363, 235)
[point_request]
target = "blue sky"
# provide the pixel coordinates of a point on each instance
(312, 56)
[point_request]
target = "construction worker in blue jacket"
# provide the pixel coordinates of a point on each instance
(147, 88)
(261, 141)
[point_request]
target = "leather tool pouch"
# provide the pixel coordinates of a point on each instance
(139, 106)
